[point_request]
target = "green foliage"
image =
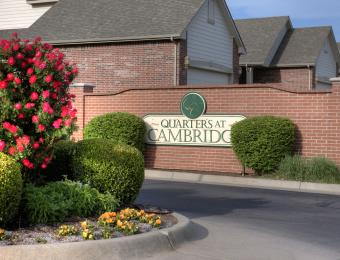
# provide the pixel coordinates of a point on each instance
(61, 163)
(59, 200)
(262, 142)
(118, 169)
(122, 128)
(317, 169)
(10, 189)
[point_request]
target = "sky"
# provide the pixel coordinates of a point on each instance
(304, 13)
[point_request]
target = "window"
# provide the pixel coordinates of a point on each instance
(211, 11)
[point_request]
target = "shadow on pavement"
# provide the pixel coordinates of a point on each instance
(195, 204)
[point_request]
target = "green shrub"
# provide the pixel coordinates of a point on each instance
(122, 128)
(262, 142)
(59, 200)
(10, 189)
(118, 169)
(61, 163)
(317, 169)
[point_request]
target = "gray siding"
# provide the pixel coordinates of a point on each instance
(326, 65)
(210, 42)
(19, 14)
(199, 77)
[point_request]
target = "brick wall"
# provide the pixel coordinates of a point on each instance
(315, 114)
(298, 78)
(114, 66)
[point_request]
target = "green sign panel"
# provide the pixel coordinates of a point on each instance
(193, 105)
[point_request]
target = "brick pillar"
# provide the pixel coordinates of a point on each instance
(334, 104)
(80, 90)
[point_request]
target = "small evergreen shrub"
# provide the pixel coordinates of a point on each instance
(122, 128)
(262, 142)
(110, 167)
(59, 200)
(60, 165)
(10, 189)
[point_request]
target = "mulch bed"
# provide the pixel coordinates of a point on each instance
(47, 234)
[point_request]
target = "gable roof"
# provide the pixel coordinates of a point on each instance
(91, 21)
(262, 37)
(302, 46)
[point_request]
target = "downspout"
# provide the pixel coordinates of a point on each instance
(310, 77)
(175, 62)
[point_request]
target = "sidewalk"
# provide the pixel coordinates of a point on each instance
(250, 182)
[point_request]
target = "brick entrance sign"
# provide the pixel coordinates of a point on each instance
(316, 115)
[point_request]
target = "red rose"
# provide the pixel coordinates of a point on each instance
(36, 146)
(41, 128)
(16, 47)
(11, 61)
(18, 106)
(57, 123)
(43, 166)
(46, 94)
(2, 145)
(3, 84)
(68, 122)
(35, 119)
(13, 129)
(21, 116)
(33, 79)
(29, 105)
(10, 76)
(42, 66)
(48, 78)
(30, 71)
(34, 96)
(20, 56)
(17, 81)
(12, 150)
(6, 125)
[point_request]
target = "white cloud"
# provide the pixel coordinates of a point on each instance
(299, 9)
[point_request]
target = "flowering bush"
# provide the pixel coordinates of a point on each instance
(35, 103)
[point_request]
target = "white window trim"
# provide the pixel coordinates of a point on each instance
(33, 2)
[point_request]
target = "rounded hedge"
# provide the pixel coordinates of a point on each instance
(109, 167)
(122, 128)
(10, 189)
(262, 142)
(60, 165)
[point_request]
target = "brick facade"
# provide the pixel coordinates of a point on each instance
(298, 78)
(314, 113)
(143, 64)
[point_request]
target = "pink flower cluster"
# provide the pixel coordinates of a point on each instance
(35, 99)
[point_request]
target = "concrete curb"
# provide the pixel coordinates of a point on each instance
(331, 189)
(132, 247)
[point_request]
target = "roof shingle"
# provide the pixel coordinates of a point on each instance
(301, 46)
(259, 36)
(74, 20)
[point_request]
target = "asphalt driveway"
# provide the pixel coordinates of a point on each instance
(244, 223)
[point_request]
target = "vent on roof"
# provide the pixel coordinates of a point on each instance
(36, 2)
